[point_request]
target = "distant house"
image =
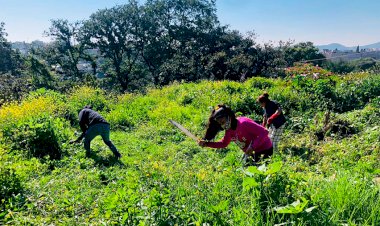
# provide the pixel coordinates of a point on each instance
(326, 51)
(348, 55)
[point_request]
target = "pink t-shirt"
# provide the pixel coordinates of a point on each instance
(248, 135)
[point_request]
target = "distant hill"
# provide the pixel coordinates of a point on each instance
(338, 46)
(374, 45)
(333, 46)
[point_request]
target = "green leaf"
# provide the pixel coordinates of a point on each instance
(65, 200)
(251, 170)
(274, 168)
(249, 182)
(293, 208)
(125, 218)
(222, 206)
(108, 214)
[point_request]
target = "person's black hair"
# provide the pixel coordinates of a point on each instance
(264, 98)
(213, 126)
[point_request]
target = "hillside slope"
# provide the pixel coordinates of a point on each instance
(319, 177)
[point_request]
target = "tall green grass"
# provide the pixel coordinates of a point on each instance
(164, 178)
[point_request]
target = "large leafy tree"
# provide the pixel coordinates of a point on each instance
(114, 33)
(65, 51)
(270, 59)
(243, 56)
(39, 73)
(238, 57)
(226, 55)
(302, 52)
(10, 60)
(179, 37)
(12, 83)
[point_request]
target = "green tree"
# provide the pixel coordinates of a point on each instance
(9, 60)
(218, 60)
(3, 34)
(114, 33)
(270, 60)
(233, 56)
(13, 84)
(303, 51)
(364, 63)
(41, 76)
(65, 51)
(339, 67)
(180, 35)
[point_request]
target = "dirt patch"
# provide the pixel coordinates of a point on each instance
(335, 128)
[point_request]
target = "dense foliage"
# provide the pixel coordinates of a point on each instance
(131, 46)
(326, 172)
(183, 62)
(344, 67)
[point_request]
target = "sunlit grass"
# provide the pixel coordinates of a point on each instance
(165, 178)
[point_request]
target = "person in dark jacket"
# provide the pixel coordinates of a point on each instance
(93, 124)
(273, 117)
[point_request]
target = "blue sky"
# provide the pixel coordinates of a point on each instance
(349, 22)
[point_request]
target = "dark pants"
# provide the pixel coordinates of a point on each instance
(254, 158)
(100, 129)
(257, 157)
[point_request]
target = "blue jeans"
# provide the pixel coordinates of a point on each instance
(100, 129)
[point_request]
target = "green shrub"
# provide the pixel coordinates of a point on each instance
(10, 186)
(82, 96)
(376, 102)
(260, 83)
(38, 136)
(339, 67)
(307, 71)
(356, 93)
(131, 110)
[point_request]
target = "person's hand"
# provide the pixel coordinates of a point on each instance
(202, 143)
(270, 120)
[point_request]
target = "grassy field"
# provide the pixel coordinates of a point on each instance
(325, 173)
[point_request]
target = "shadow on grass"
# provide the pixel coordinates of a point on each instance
(303, 152)
(108, 161)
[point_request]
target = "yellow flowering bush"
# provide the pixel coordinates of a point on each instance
(14, 112)
(35, 125)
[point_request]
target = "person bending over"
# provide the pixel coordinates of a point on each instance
(93, 124)
(251, 137)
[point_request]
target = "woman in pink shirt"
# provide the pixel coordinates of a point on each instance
(251, 137)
